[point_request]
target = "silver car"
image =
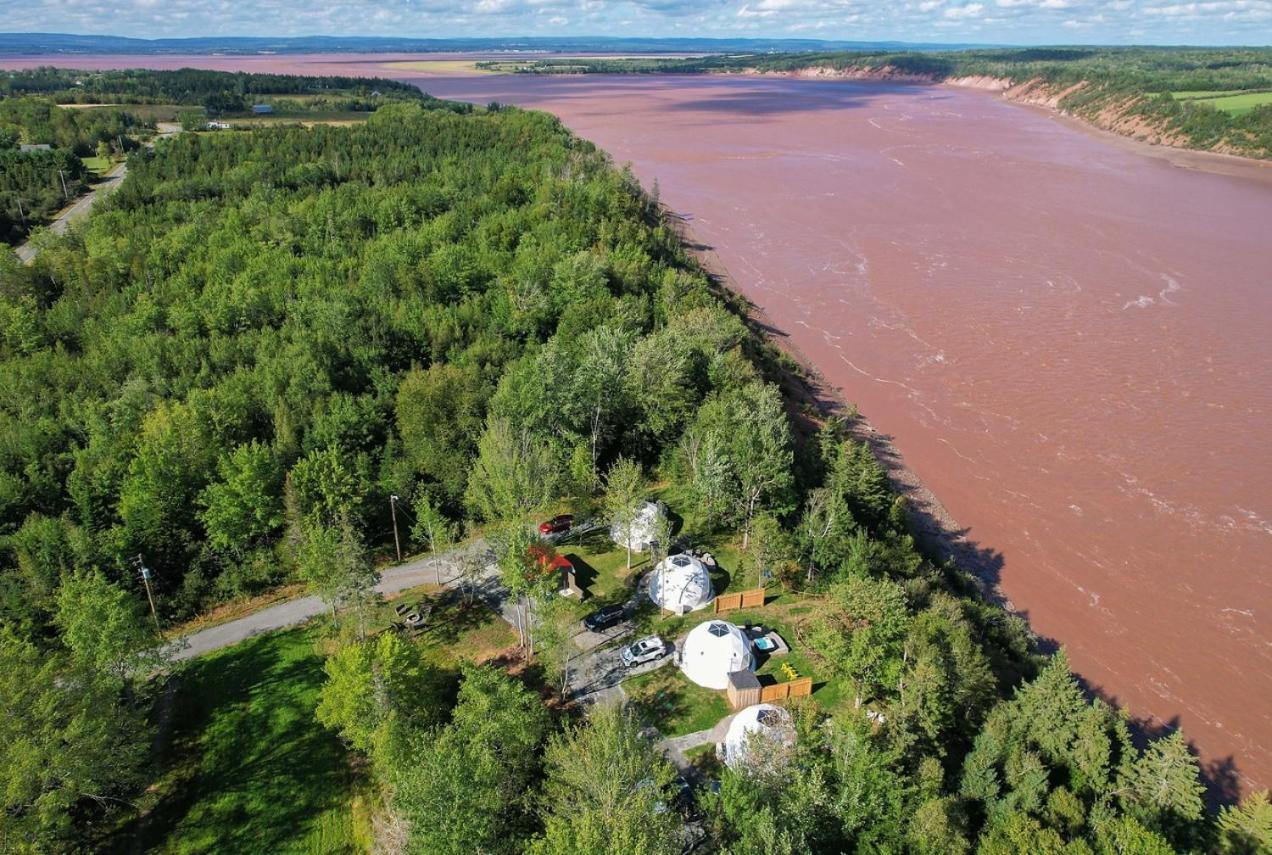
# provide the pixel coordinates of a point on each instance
(645, 650)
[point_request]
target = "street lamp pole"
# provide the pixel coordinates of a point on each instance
(145, 578)
(397, 544)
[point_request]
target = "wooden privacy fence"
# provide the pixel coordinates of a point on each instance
(801, 688)
(741, 600)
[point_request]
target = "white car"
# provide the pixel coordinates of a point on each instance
(645, 650)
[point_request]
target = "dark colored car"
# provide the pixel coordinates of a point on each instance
(557, 524)
(604, 618)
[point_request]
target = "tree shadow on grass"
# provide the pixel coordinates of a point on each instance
(249, 769)
(658, 705)
(453, 615)
(721, 579)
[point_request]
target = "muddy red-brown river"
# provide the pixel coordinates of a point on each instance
(1069, 340)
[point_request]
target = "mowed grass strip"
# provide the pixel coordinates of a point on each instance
(249, 769)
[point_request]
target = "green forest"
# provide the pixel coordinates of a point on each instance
(1151, 82)
(190, 86)
(261, 337)
(35, 185)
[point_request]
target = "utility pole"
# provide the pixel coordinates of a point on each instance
(393, 500)
(145, 578)
(22, 213)
(66, 195)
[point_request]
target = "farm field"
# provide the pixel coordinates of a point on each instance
(146, 112)
(437, 66)
(1237, 103)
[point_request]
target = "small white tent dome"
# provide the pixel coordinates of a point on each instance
(758, 727)
(644, 524)
(681, 583)
(714, 650)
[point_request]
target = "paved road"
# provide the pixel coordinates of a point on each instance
(77, 210)
(81, 206)
(422, 571)
(596, 672)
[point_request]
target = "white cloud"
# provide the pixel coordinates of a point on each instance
(969, 10)
(1000, 21)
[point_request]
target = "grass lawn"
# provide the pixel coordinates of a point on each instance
(783, 613)
(669, 701)
(601, 568)
(96, 165)
(248, 768)
(457, 631)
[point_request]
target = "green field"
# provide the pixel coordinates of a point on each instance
(248, 768)
(1237, 103)
(97, 165)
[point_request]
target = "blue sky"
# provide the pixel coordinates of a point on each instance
(1008, 21)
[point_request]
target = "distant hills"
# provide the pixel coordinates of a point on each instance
(37, 44)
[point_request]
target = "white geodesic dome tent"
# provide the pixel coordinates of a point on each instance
(714, 650)
(758, 728)
(681, 583)
(642, 530)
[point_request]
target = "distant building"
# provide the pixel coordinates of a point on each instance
(262, 109)
(218, 126)
(35, 147)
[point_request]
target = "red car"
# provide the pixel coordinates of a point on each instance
(557, 524)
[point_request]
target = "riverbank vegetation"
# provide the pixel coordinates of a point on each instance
(224, 91)
(261, 337)
(1139, 91)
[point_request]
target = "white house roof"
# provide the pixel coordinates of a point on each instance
(642, 529)
(712, 651)
(681, 583)
(756, 728)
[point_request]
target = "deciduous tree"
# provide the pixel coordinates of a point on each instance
(103, 626)
(378, 683)
(607, 790)
(625, 488)
(469, 786)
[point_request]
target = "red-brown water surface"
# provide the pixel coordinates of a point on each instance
(1068, 340)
